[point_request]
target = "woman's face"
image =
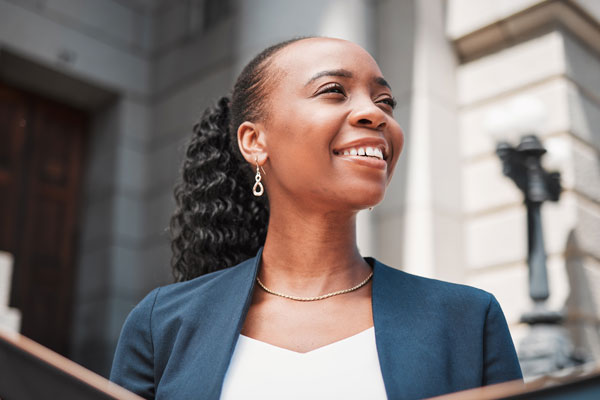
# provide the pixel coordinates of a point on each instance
(331, 138)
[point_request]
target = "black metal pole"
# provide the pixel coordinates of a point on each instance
(538, 275)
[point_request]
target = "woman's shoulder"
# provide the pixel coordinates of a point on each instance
(204, 304)
(436, 320)
(428, 291)
(209, 290)
(458, 310)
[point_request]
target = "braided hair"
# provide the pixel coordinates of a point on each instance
(218, 222)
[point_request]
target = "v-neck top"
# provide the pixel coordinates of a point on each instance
(346, 369)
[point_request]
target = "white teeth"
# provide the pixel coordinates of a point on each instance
(364, 151)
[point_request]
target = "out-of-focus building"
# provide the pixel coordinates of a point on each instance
(97, 99)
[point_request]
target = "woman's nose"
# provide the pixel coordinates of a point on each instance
(367, 114)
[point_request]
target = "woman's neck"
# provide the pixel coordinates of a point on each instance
(309, 254)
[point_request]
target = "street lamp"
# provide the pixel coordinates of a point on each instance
(547, 347)
(523, 165)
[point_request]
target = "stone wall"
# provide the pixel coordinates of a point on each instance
(545, 60)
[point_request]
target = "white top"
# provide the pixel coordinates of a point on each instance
(347, 369)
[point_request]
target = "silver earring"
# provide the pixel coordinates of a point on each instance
(258, 188)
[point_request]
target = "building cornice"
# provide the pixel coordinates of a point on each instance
(540, 17)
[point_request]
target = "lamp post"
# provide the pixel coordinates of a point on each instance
(547, 347)
(523, 165)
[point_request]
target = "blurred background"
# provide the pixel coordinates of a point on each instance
(97, 98)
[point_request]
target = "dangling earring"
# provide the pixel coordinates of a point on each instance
(258, 188)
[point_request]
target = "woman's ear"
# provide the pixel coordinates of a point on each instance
(252, 142)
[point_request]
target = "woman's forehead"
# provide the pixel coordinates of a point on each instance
(305, 58)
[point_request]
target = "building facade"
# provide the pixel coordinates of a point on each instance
(143, 70)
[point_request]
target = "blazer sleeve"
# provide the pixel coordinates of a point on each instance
(500, 358)
(133, 364)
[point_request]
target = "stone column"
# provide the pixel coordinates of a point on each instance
(418, 225)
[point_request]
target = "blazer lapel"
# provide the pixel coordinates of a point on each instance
(222, 305)
(396, 315)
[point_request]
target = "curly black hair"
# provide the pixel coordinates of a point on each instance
(218, 222)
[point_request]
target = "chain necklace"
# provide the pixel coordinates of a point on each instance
(324, 296)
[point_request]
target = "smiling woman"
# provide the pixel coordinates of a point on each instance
(274, 299)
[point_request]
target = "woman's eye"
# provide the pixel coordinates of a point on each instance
(332, 88)
(389, 101)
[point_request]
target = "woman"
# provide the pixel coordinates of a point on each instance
(310, 124)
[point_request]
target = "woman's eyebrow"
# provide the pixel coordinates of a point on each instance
(344, 73)
(380, 81)
(334, 72)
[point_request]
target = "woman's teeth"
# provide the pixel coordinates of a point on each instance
(364, 151)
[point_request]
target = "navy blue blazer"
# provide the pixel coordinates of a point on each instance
(432, 337)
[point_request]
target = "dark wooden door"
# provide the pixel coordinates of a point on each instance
(42, 145)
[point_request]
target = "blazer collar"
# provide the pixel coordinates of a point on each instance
(389, 294)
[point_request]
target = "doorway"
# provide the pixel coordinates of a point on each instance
(42, 154)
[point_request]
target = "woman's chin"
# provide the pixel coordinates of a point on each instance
(360, 200)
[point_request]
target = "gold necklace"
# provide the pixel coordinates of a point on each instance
(324, 296)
